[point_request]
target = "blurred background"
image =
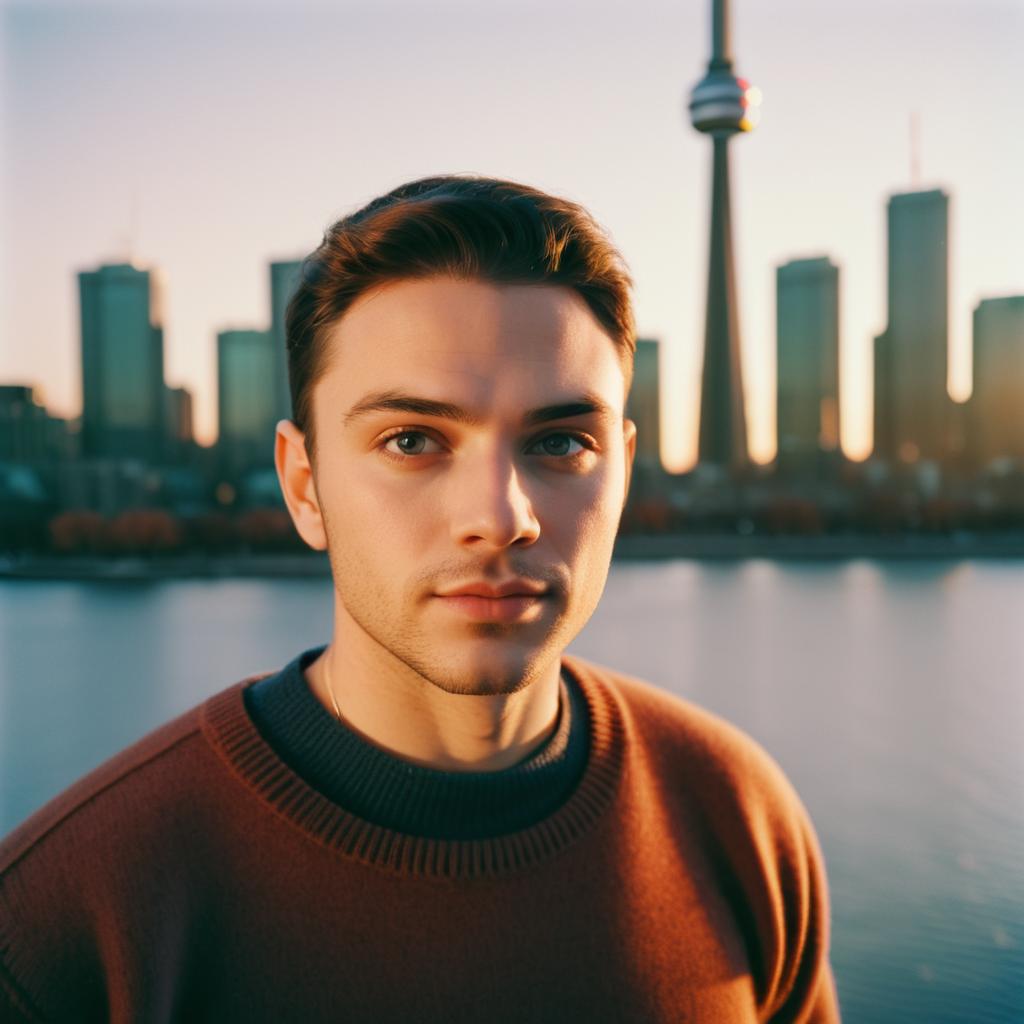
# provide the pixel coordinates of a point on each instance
(821, 206)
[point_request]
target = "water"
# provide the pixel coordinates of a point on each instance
(892, 695)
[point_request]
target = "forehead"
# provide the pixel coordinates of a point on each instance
(477, 342)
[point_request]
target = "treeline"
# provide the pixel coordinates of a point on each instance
(155, 531)
(880, 515)
(268, 530)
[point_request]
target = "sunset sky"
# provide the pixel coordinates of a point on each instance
(207, 139)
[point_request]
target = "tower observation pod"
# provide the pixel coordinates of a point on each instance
(722, 105)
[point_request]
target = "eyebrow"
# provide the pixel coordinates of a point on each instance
(399, 401)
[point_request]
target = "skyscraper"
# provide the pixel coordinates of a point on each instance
(807, 345)
(178, 421)
(720, 106)
(28, 433)
(912, 404)
(644, 404)
(284, 276)
(122, 363)
(996, 416)
(246, 407)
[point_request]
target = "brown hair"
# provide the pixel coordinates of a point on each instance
(457, 226)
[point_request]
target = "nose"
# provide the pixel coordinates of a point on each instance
(489, 506)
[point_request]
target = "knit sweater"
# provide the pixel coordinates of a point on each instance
(198, 876)
(387, 790)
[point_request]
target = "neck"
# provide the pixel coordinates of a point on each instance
(405, 714)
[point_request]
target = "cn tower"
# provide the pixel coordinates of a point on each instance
(721, 105)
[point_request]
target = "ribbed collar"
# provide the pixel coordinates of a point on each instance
(396, 794)
(592, 702)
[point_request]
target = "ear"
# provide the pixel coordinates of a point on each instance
(629, 446)
(295, 474)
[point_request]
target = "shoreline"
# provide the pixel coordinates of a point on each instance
(824, 548)
(627, 549)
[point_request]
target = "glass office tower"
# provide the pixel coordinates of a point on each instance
(912, 403)
(284, 276)
(996, 416)
(644, 404)
(122, 364)
(807, 345)
(246, 406)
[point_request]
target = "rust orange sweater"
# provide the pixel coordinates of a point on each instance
(196, 877)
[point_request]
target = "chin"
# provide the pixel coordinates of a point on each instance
(487, 671)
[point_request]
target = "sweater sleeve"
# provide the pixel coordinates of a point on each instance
(823, 1008)
(806, 991)
(775, 873)
(744, 815)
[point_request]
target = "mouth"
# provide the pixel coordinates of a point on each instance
(516, 600)
(510, 608)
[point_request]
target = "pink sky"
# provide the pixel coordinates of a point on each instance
(207, 140)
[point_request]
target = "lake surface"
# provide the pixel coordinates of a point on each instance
(892, 695)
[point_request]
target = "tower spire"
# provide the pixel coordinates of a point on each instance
(721, 105)
(721, 43)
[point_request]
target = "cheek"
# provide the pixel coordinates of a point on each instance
(377, 524)
(584, 527)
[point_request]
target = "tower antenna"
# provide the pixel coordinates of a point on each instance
(915, 149)
(133, 227)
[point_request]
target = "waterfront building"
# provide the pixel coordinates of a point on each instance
(178, 421)
(912, 403)
(122, 363)
(807, 347)
(108, 486)
(996, 418)
(284, 276)
(246, 399)
(28, 433)
(643, 406)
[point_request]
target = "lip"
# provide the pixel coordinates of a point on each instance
(501, 591)
(510, 608)
(515, 600)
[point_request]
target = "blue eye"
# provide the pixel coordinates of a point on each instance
(559, 444)
(410, 442)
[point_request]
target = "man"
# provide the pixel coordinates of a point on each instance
(439, 816)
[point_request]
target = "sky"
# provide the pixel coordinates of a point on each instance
(206, 140)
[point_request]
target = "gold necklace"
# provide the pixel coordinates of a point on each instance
(330, 691)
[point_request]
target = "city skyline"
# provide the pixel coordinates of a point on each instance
(225, 283)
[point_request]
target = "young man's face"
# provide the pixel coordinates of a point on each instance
(469, 435)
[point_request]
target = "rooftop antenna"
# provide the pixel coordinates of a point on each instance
(915, 149)
(133, 227)
(126, 244)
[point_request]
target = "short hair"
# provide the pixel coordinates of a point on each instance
(459, 226)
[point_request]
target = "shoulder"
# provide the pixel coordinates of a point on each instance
(88, 794)
(731, 799)
(682, 740)
(56, 866)
(123, 843)
(697, 768)
(138, 785)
